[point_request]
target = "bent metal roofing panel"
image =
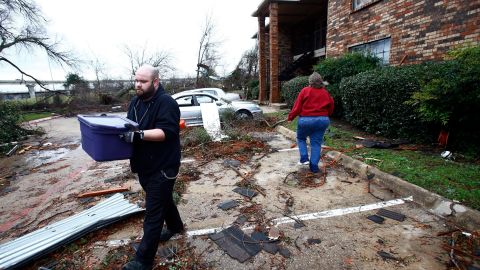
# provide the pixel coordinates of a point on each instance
(17, 252)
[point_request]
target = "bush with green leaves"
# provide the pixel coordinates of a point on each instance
(230, 125)
(375, 101)
(9, 123)
(449, 97)
(292, 88)
(195, 136)
(252, 90)
(333, 70)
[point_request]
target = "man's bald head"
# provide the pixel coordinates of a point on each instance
(148, 70)
(146, 81)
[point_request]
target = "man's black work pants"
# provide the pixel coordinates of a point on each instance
(160, 208)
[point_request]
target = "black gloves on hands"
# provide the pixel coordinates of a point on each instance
(134, 135)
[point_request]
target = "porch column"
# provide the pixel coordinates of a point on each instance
(262, 61)
(274, 61)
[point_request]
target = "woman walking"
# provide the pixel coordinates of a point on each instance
(313, 105)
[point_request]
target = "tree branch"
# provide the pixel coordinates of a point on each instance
(41, 84)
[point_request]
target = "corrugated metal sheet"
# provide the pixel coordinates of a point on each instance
(17, 252)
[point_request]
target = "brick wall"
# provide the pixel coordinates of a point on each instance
(285, 46)
(420, 30)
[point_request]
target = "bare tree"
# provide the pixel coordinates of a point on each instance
(22, 26)
(208, 54)
(245, 71)
(161, 59)
(99, 68)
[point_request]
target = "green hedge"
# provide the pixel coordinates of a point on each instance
(450, 97)
(333, 70)
(292, 88)
(9, 128)
(375, 101)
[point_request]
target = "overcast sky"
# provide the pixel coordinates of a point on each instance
(100, 29)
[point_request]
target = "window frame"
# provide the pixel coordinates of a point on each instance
(365, 5)
(368, 45)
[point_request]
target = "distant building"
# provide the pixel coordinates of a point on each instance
(300, 32)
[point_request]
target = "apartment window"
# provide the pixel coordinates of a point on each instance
(358, 4)
(378, 48)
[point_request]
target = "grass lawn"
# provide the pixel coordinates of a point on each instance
(34, 116)
(456, 180)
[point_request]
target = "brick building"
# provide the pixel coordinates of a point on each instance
(300, 32)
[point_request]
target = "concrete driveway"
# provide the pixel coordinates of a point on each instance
(337, 234)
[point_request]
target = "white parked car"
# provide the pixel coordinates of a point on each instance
(189, 104)
(216, 92)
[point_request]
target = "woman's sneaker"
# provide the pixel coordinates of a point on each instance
(303, 163)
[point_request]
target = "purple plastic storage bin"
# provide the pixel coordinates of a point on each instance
(100, 137)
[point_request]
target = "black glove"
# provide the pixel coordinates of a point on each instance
(132, 136)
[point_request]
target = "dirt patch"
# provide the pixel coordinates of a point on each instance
(238, 150)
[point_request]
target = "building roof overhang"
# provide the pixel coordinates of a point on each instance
(291, 11)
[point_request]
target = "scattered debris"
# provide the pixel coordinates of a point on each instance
(376, 219)
(463, 249)
(167, 252)
(236, 243)
(13, 150)
(21, 250)
(285, 252)
(254, 213)
(275, 124)
(378, 144)
(112, 243)
(390, 214)
(387, 256)
(102, 192)
(443, 138)
(305, 179)
(231, 162)
(447, 155)
(374, 159)
(25, 149)
(267, 245)
(297, 225)
(273, 233)
(313, 241)
(228, 205)
(245, 192)
(240, 221)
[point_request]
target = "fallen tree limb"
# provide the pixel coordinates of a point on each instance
(102, 192)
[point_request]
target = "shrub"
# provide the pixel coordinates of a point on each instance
(9, 128)
(450, 95)
(252, 90)
(333, 70)
(195, 136)
(375, 101)
(292, 88)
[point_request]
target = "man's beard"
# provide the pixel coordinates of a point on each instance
(147, 94)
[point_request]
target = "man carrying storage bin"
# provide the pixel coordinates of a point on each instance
(156, 160)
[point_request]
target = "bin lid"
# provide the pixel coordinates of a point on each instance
(106, 121)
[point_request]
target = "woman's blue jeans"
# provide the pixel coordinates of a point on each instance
(313, 127)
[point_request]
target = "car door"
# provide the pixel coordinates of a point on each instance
(189, 110)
